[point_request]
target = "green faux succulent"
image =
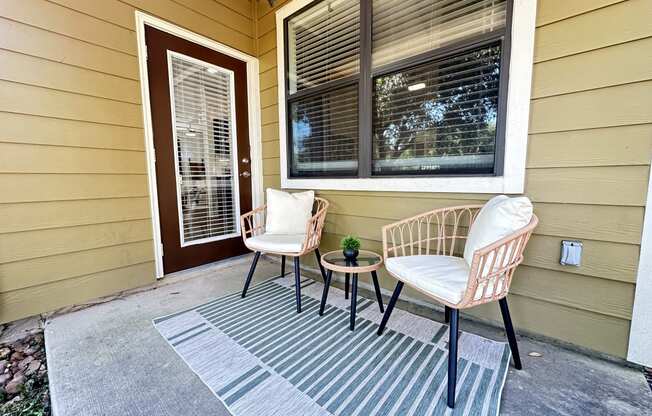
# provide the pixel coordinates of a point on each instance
(350, 243)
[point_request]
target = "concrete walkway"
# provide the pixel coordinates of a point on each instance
(109, 360)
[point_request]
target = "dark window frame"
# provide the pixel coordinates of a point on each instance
(366, 75)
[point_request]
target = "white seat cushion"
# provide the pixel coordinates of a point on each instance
(444, 277)
(279, 243)
(288, 213)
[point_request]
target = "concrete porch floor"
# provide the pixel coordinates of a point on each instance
(109, 360)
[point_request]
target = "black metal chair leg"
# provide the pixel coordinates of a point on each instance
(354, 301)
(447, 314)
(379, 296)
(324, 294)
(321, 268)
(452, 357)
(297, 283)
(251, 274)
(390, 307)
(346, 285)
(511, 336)
(282, 266)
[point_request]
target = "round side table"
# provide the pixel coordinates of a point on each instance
(366, 262)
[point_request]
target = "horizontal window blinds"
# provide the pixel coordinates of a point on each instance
(323, 44)
(438, 117)
(402, 29)
(202, 102)
(324, 133)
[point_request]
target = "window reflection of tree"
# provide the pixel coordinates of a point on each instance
(454, 115)
(324, 131)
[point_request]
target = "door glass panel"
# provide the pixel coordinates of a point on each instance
(203, 114)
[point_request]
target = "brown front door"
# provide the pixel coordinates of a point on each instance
(199, 117)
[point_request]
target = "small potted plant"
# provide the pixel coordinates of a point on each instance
(350, 247)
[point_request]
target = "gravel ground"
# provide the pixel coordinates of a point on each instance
(23, 376)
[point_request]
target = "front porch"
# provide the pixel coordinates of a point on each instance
(109, 358)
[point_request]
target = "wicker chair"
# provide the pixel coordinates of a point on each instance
(253, 234)
(440, 273)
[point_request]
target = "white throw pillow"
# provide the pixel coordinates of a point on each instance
(288, 213)
(498, 218)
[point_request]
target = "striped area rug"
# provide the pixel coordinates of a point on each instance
(260, 357)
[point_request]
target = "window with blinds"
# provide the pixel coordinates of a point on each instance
(323, 54)
(402, 29)
(324, 132)
(202, 98)
(429, 102)
(323, 44)
(439, 117)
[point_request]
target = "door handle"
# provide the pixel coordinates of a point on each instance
(245, 174)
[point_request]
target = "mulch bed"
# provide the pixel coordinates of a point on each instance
(23, 377)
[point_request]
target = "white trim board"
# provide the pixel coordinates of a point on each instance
(640, 332)
(516, 128)
(253, 93)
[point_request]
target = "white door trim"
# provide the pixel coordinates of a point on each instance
(253, 94)
(640, 332)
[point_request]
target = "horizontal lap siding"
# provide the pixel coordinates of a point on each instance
(266, 48)
(73, 177)
(587, 170)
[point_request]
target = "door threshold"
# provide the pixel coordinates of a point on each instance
(193, 271)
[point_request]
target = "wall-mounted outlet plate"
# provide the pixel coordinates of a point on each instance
(571, 253)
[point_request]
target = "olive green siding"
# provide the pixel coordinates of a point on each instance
(74, 202)
(587, 170)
